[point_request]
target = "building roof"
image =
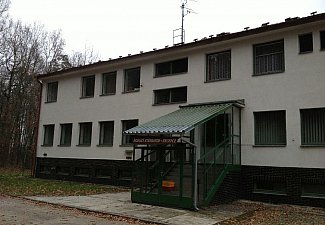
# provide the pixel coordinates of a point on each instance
(180, 121)
(289, 22)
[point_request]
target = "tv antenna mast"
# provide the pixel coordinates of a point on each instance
(180, 32)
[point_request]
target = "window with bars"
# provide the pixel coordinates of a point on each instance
(106, 133)
(88, 86)
(306, 43)
(52, 92)
(132, 79)
(128, 124)
(269, 58)
(313, 126)
(172, 67)
(109, 83)
(48, 135)
(270, 128)
(85, 133)
(218, 66)
(170, 95)
(66, 132)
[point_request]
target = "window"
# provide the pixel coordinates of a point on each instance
(106, 133)
(313, 190)
(322, 40)
(132, 79)
(218, 66)
(306, 43)
(52, 92)
(66, 132)
(312, 126)
(270, 187)
(270, 128)
(128, 124)
(172, 67)
(269, 58)
(109, 83)
(88, 86)
(171, 95)
(85, 133)
(48, 135)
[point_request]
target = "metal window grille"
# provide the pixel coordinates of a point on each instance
(313, 126)
(219, 66)
(270, 128)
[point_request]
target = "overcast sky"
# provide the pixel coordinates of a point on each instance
(120, 27)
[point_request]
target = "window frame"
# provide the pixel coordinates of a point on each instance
(126, 89)
(126, 139)
(112, 75)
(49, 91)
(81, 141)
(268, 72)
(61, 134)
(274, 128)
(102, 134)
(322, 40)
(300, 40)
(220, 78)
(304, 127)
(84, 86)
(45, 135)
(171, 65)
(170, 93)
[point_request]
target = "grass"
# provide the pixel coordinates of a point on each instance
(16, 182)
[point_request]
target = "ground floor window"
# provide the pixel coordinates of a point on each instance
(48, 135)
(85, 133)
(270, 128)
(126, 125)
(106, 133)
(313, 126)
(66, 133)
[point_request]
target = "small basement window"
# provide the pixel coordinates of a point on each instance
(171, 95)
(132, 79)
(322, 40)
(313, 190)
(306, 43)
(270, 187)
(172, 67)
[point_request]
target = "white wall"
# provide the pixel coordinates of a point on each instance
(300, 86)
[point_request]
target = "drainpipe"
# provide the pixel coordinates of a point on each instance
(33, 170)
(195, 173)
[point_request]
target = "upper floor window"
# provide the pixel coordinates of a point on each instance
(106, 133)
(52, 92)
(312, 126)
(85, 131)
(48, 135)
(306, 43)
(170, 95)
(219, 66)
(88, 86)
(109, 83)
(270, 128)
(132, 79)
(126, 125)
(269, 57)
(172, 67)
(322, 40)
(66, 133)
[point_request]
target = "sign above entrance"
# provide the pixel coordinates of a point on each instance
(155, 140)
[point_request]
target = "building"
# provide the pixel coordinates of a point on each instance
(257, 103)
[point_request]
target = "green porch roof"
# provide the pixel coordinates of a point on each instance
(180, 121)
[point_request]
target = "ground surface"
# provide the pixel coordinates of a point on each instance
(19, 211)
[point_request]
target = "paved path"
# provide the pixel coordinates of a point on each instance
(19, 211)
(120, 204)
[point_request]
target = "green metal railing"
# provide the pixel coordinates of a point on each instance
(213, 167)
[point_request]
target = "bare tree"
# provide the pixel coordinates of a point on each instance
(88, 56)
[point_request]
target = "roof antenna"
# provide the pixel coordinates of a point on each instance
(180, 32)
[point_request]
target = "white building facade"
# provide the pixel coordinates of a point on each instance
(277, 70)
